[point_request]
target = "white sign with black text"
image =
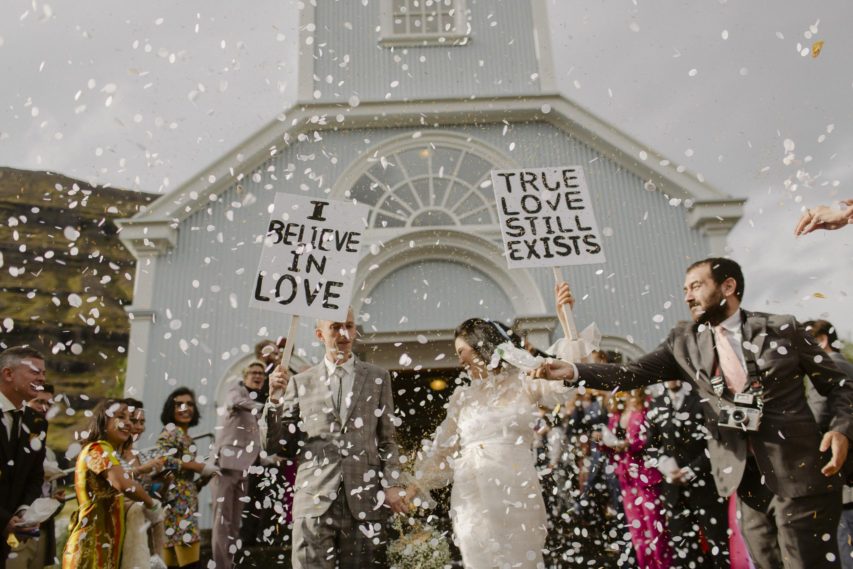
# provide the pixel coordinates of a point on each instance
(546, 217)
(310, 256)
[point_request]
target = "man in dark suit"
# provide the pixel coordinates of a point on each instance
(338, 418)
(676, 436)
(22, 440)
(788, 485)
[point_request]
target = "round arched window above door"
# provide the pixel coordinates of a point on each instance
(428, 184)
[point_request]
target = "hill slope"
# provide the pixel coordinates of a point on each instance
(64, 280)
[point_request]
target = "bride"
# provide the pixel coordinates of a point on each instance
(484, 447)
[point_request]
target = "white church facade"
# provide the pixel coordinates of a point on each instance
(406, 106)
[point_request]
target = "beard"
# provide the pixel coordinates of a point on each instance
(714, 310)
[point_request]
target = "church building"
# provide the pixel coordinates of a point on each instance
(406, 106)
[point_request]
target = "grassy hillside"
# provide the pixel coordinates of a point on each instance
(64, 281)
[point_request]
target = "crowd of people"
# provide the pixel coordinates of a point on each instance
(723, 447)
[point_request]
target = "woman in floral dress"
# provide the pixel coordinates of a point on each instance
(182, 547)
(101, 484)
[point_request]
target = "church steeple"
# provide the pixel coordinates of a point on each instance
(398, 50)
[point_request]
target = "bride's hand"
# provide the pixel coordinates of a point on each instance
(556, 370)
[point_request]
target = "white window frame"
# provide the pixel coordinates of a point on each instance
(388, 38)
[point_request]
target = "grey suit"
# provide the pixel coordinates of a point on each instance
(236, 447)
(345, 460)
(775, 470)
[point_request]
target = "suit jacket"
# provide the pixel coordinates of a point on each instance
(786, 445)
(21, 468)
(238, 438)
(681, 435)
(355, 453)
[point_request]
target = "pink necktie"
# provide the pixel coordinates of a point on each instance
(730, 364)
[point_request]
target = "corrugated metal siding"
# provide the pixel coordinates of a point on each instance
(498, 26)
(649, 248)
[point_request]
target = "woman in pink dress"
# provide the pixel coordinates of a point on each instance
(640, 484)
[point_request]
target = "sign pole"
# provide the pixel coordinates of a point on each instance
(291, 341)
(570, 331)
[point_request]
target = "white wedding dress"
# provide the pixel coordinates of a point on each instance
(485, 447)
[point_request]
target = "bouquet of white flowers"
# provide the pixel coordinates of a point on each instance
(418, 546)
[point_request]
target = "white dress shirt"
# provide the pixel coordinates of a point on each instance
(342, 386)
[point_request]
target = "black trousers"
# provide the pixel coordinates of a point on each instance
(689, 510)
(789, 533)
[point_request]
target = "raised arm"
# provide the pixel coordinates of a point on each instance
(238, 399)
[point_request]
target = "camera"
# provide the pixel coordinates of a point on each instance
(743, 415)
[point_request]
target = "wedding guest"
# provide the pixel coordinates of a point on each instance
(267, 514)
(183, 541)
(97, 527)
(139, 464)
(237, 447)
(640, 484)
(827, 337)
(677, 443)
(22, 440)
(136, 551)
(40, 550)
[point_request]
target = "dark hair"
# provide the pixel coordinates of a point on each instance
(135, 403)
(101, 415)
(825, 328)
(722, 269)
(168, 414)
(483, 336)
(12, 357)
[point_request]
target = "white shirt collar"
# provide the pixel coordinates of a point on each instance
(348, 366)
(732, 323)
(7, 405)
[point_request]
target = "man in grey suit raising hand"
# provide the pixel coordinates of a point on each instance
(765, 444)
(337, 420)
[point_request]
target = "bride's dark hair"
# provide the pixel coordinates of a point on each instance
(483, 336)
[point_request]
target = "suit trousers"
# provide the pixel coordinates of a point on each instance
(337, 540)
(791, 533)
(229, 490)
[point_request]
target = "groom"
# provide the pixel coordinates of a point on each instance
(336, 420)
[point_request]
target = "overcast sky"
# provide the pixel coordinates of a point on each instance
(142, 94)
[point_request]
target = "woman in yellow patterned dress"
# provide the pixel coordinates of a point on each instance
(97, 527)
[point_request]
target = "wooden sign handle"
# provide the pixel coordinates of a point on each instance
(569, 329)
(291, 341)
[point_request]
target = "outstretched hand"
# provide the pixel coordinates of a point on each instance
(839, 443)
(824, 217)
(556, 370)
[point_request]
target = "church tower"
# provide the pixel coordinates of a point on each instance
(407, 50)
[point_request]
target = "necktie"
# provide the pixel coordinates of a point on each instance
(730, 365)
(16, 427)
(338, 388)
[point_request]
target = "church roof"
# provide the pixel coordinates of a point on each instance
(297, 125)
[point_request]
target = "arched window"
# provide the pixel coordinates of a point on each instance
(428, 185)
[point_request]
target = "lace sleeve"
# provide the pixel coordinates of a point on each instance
(433, 467)
(547, 393)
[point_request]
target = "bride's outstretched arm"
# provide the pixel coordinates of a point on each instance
(433, 465)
